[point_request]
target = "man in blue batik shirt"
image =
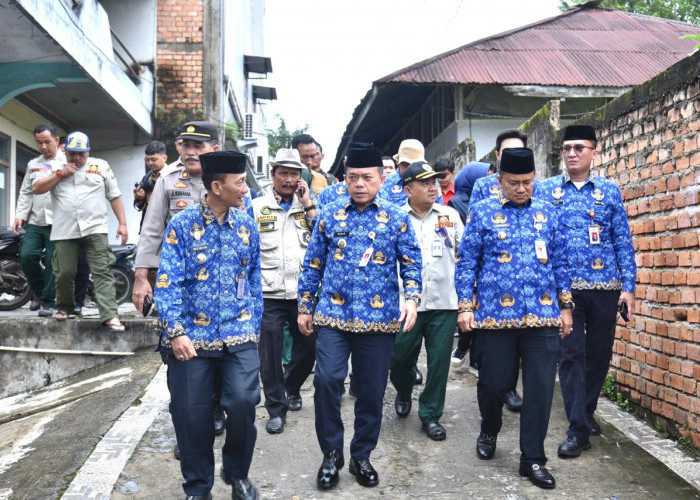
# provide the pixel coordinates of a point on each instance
(209, 298)
(513, 252)
(603, 272)
(354, 249)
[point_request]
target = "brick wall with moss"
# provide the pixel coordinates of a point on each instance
(650, 146)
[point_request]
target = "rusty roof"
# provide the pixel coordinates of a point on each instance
(588, 46)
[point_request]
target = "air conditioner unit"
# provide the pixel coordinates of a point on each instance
(248, 126)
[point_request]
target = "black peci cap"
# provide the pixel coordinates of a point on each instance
(363, 158)
(223, 162)
(517, 161)
(579, 132)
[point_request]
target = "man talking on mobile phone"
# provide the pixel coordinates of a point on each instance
(284, 214)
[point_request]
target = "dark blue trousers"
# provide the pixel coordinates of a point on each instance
(191, 384)
(584, 357)
(499, 351)
(371, 358)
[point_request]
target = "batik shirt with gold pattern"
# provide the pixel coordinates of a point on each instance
(594, 221)
(355, 254)
(208, 285)
(515, 256)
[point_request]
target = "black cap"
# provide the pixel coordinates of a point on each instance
(517, 161)
(420, 170)
(363, 158)
(198, 131)
(579, 132)
(223, 162)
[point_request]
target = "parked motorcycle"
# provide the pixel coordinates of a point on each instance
(14, 289)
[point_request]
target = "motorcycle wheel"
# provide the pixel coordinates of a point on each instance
(123, 284)
(14, 289)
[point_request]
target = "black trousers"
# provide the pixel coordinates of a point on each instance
(585, 356)
(275, 381)
(191, 384)
(499, 350)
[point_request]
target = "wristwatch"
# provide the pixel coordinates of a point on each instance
(567, 305)
(309, 208)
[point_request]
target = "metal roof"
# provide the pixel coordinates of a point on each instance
(583, 47)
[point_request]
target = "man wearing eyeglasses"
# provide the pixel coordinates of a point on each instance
(438, 230)
(603, 271)
(310, 155)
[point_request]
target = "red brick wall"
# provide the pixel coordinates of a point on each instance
(650, 145)
(179, 62)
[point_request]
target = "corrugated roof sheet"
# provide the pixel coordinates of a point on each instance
(583, 47)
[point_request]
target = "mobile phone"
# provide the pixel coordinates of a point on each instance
(624, 313)
(147, 306)
(300, 191)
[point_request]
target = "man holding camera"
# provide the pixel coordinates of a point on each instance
(156, 159)
(603, 272)
(284, 215)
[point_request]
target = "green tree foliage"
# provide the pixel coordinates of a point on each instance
(282, 137)
(681, 10)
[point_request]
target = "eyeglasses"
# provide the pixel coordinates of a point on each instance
(577, 148)
(309, 157)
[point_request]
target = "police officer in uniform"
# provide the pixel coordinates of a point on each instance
(439, 230)
(209, 297)
(171, 195)
(603, 271)
(354, 249)
(514, 254)
(284, 215)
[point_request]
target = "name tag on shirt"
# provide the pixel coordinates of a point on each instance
(541, 250)
(594, 235)
(367, 255)
(437, 248)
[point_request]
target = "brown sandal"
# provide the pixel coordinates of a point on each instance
(59, 315)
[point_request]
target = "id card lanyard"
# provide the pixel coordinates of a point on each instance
(370, 250)
(540, 246)
(593, 230)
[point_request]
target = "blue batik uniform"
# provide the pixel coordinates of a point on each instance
(515, 289)
(333, 193)
(358, 311)
(392, 190)
(601, 264)
(609, 264)
(360, 299)
(209, 289)
(197, 290)
(485, 188)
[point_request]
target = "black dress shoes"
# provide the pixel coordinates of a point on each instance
(538, 475)
(275, 425)
(402, 406)
(328, 476)
(294, 402)
(434, 430)
(513, 402)
(198, 497)
(364, 472)
(176, 452)
(573, 446)
(243, 489)
(219, 420)
(419, 377)
(485, 446)
(594, 426)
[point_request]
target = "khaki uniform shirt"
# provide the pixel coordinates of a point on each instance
(441, 223)
(284, 237)
(36, 208)
(172, 193)
(78, 201)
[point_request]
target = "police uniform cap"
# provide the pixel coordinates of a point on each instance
(198, 131)
(363, 158)
(579, 132)
(517, 161)
(223, 162)
(420, 170)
